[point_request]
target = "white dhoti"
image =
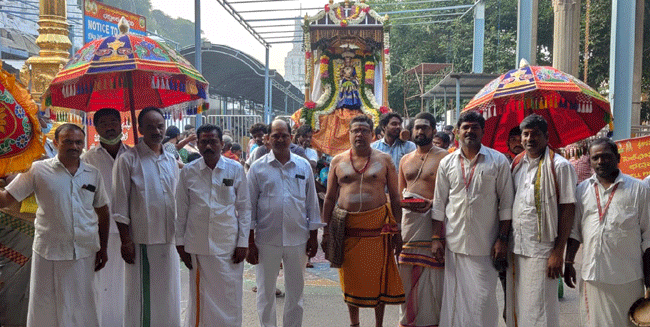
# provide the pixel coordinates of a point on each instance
(469, 297)
(294, 260)
(531, 298)
(153, 287)
(215, 291)
(607, 304)
(111, 284)
(422, 276)
(63, 293)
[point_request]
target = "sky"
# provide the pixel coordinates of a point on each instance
(221, 28)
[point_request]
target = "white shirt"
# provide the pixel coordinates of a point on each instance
(524, 213)
(647, 181)
(311, 155)
(612, 250)
(472, 217)
(100, 158)
(213, 207)
(284, 202)
(144, 184)
(66, 225)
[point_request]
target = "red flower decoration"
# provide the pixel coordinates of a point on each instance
(324, 61)
(327, 8)
(384, 109)
(370, 66)
(344, 23)
(386, 51)
(308, 54)
(366, 9)
(310, 104)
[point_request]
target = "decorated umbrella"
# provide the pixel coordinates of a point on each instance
(573, 110)
(20, 133)
(129, 73)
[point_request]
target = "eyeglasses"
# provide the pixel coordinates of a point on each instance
(362, 131)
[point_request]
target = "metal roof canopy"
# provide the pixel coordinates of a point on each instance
(470, 84)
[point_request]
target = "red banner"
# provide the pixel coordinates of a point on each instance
(635, 156)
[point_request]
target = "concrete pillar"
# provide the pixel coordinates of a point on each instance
(638, 60)
(526, 32)
(621, 65)
(566, 35)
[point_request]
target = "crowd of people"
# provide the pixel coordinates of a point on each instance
(429, 220)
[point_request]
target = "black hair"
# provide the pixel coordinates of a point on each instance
(604, 141)
(146, 111)
(471, 116)
(188, 127)
(444, 137)
(193, 156)
(66, 127)
(363, 119)
(533, 121)
(302, 130)
(105, 112)
(258, 127)
(235, 147)
(514, 131)
(385, 118)
(426, 116)
(207, 128)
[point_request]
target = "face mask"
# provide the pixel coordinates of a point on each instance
(114, 141)
(47, 128)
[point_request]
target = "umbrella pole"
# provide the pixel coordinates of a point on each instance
(134, 120)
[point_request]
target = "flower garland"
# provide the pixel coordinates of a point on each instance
(324, 72)
(370, 73)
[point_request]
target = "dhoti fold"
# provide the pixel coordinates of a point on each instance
(153, 287)
(604, 305)
(421, 273)
(111, 284)
(469, 297)
(369, 275)
(63, 293)
(531, 298)
(215, 291)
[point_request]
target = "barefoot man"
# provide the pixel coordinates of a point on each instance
(422, 274)
(364, 233)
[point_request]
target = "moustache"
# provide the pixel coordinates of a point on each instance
(208, 152)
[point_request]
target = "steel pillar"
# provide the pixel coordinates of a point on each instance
(267, 107)
(621, 66)
(479, 37)
(197, 50)
(526, 32)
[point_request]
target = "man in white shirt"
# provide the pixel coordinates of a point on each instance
(542, 217)
(144, 207)
(647, 180)
(612, 221)
(108, 125)
(473, 196)
(212, 227)
(71, 231)
(284, 225)
(303, 138)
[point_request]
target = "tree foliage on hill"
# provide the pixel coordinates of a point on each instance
(179, 30)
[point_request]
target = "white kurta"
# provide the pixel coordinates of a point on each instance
(62, 289)
(144, 187)
(471, 215)
(531, 298)
(213, 219)
(284, 211)
(111, 277)
(612, 248)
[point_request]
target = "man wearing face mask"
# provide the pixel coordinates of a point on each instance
(108, 124)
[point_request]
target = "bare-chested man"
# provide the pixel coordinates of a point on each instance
(362, 224)
(418, 268)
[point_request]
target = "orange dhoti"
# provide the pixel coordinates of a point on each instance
(333, 138)
(369, 273)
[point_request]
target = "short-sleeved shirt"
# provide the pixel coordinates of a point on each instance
(524, 213)
(472, 214)
(396, 151)
(66, 225)
(612, 248)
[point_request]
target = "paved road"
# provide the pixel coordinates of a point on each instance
(324, 306)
